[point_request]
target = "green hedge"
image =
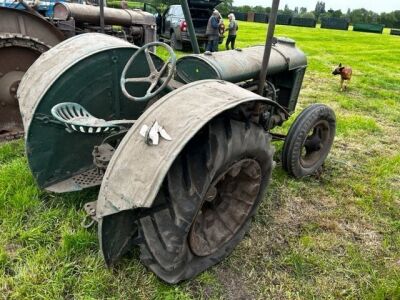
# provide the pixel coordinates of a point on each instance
(335, 23)
(240, 16)
(394, 31)
(303, 22)
(260, 18)
(374, 28)
(283, 19)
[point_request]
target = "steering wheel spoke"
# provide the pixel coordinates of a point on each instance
(154, 77)
(164, 67)
(150, 61)
(152, 86)
(139, 79)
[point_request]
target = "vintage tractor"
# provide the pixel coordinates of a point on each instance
(181, 148)
(25, 34)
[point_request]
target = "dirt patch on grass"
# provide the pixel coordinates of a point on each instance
(234, 285)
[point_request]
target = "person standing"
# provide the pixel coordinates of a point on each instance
(212, 32)
(232, 29)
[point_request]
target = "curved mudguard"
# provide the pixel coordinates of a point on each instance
(137, 170)
(85, 69)
(51, 65)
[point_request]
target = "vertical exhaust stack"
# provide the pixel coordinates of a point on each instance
(102, 15)
(268, 46)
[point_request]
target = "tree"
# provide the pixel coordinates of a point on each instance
(260, 9)
(287, 10)
(225, 7)
(319, 9)
(308, 15)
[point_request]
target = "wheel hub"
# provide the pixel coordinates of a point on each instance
(315, 143)
(8, 87)
(226, 207)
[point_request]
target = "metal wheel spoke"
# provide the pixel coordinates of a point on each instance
(220, 219)
(150, 62)
(140, 79)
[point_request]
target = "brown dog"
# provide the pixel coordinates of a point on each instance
(345, 74)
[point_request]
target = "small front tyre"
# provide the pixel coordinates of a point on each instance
(309, 141)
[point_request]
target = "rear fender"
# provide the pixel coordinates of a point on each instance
(137, 170)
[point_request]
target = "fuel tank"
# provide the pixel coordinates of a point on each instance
(240, 64)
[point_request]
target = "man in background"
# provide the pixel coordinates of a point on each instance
(212, 32)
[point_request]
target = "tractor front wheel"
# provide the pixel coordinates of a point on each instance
(309, 140)
(205, 205)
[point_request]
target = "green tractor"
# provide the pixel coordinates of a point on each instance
(181, 148)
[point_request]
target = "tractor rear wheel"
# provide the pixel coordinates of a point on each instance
(17, 54)
(207, 200)
(309, 140)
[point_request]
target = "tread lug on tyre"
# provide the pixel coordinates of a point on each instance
(309, 141)
(210, 194)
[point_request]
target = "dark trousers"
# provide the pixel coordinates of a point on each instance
(230, 40)
(212, 44)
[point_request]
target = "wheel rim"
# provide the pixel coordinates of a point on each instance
(14, 61)
(315, 144)
(226, 207)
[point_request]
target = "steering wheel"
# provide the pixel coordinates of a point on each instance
(154, 77)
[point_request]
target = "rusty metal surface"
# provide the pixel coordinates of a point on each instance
(137, 170)
(17, 21)
(102, 155)
(6, 137)
(23, 38)
(79, 182)
(227, 205)
(112, 16)
(45, 71)
(17, 54)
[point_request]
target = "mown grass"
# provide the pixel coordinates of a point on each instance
(336, 236)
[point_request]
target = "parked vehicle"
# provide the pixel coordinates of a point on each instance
(173, 27)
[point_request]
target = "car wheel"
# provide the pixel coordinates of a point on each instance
(175, 44)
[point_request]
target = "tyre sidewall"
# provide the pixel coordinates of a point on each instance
(298, 132)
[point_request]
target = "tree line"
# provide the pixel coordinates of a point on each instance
(360, 15)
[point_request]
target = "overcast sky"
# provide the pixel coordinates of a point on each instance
(377, 6)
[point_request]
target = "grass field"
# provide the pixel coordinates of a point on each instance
(332, 237)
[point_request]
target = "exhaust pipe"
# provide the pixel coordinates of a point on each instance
(268, 46)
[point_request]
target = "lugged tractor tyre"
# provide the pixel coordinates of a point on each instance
(207, 200)
(309, 140)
